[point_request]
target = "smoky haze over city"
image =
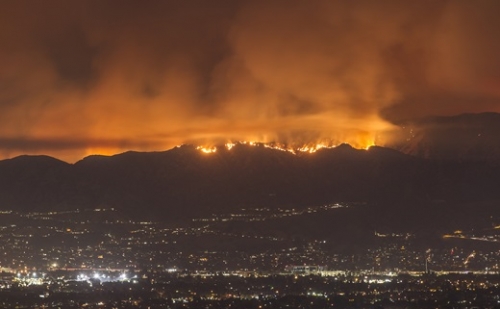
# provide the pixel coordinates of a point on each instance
(250, 154)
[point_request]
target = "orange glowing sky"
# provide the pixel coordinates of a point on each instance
(79, 78)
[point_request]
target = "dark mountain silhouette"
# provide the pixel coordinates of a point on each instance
(466, 137)
(184, 182)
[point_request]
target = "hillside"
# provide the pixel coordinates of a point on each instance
(184, 182)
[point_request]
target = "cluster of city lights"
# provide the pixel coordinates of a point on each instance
(104, 277)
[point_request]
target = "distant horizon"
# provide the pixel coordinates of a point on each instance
(199, 148)
(393, 140)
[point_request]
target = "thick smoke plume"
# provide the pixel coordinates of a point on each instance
(102, 77)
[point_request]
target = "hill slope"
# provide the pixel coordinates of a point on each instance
(184, 182)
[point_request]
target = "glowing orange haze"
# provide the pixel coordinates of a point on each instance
(207, 138)
(93, 77)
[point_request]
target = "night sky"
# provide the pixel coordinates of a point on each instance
(85, 77)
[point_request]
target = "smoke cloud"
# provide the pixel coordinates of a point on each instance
(78, 78)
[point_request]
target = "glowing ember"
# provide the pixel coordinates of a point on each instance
(314, 148)
(279, 147)
(207, 149)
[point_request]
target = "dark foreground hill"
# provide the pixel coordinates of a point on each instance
(184, 182)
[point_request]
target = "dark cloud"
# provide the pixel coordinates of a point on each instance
(411, 109)
(72, 56)
(199, 71)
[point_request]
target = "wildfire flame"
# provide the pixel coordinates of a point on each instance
(204, 149)
(316, 147)
(308, 148)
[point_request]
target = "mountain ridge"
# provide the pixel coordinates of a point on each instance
(184, 182)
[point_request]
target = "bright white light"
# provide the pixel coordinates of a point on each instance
(123, 276)
(96, 276)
